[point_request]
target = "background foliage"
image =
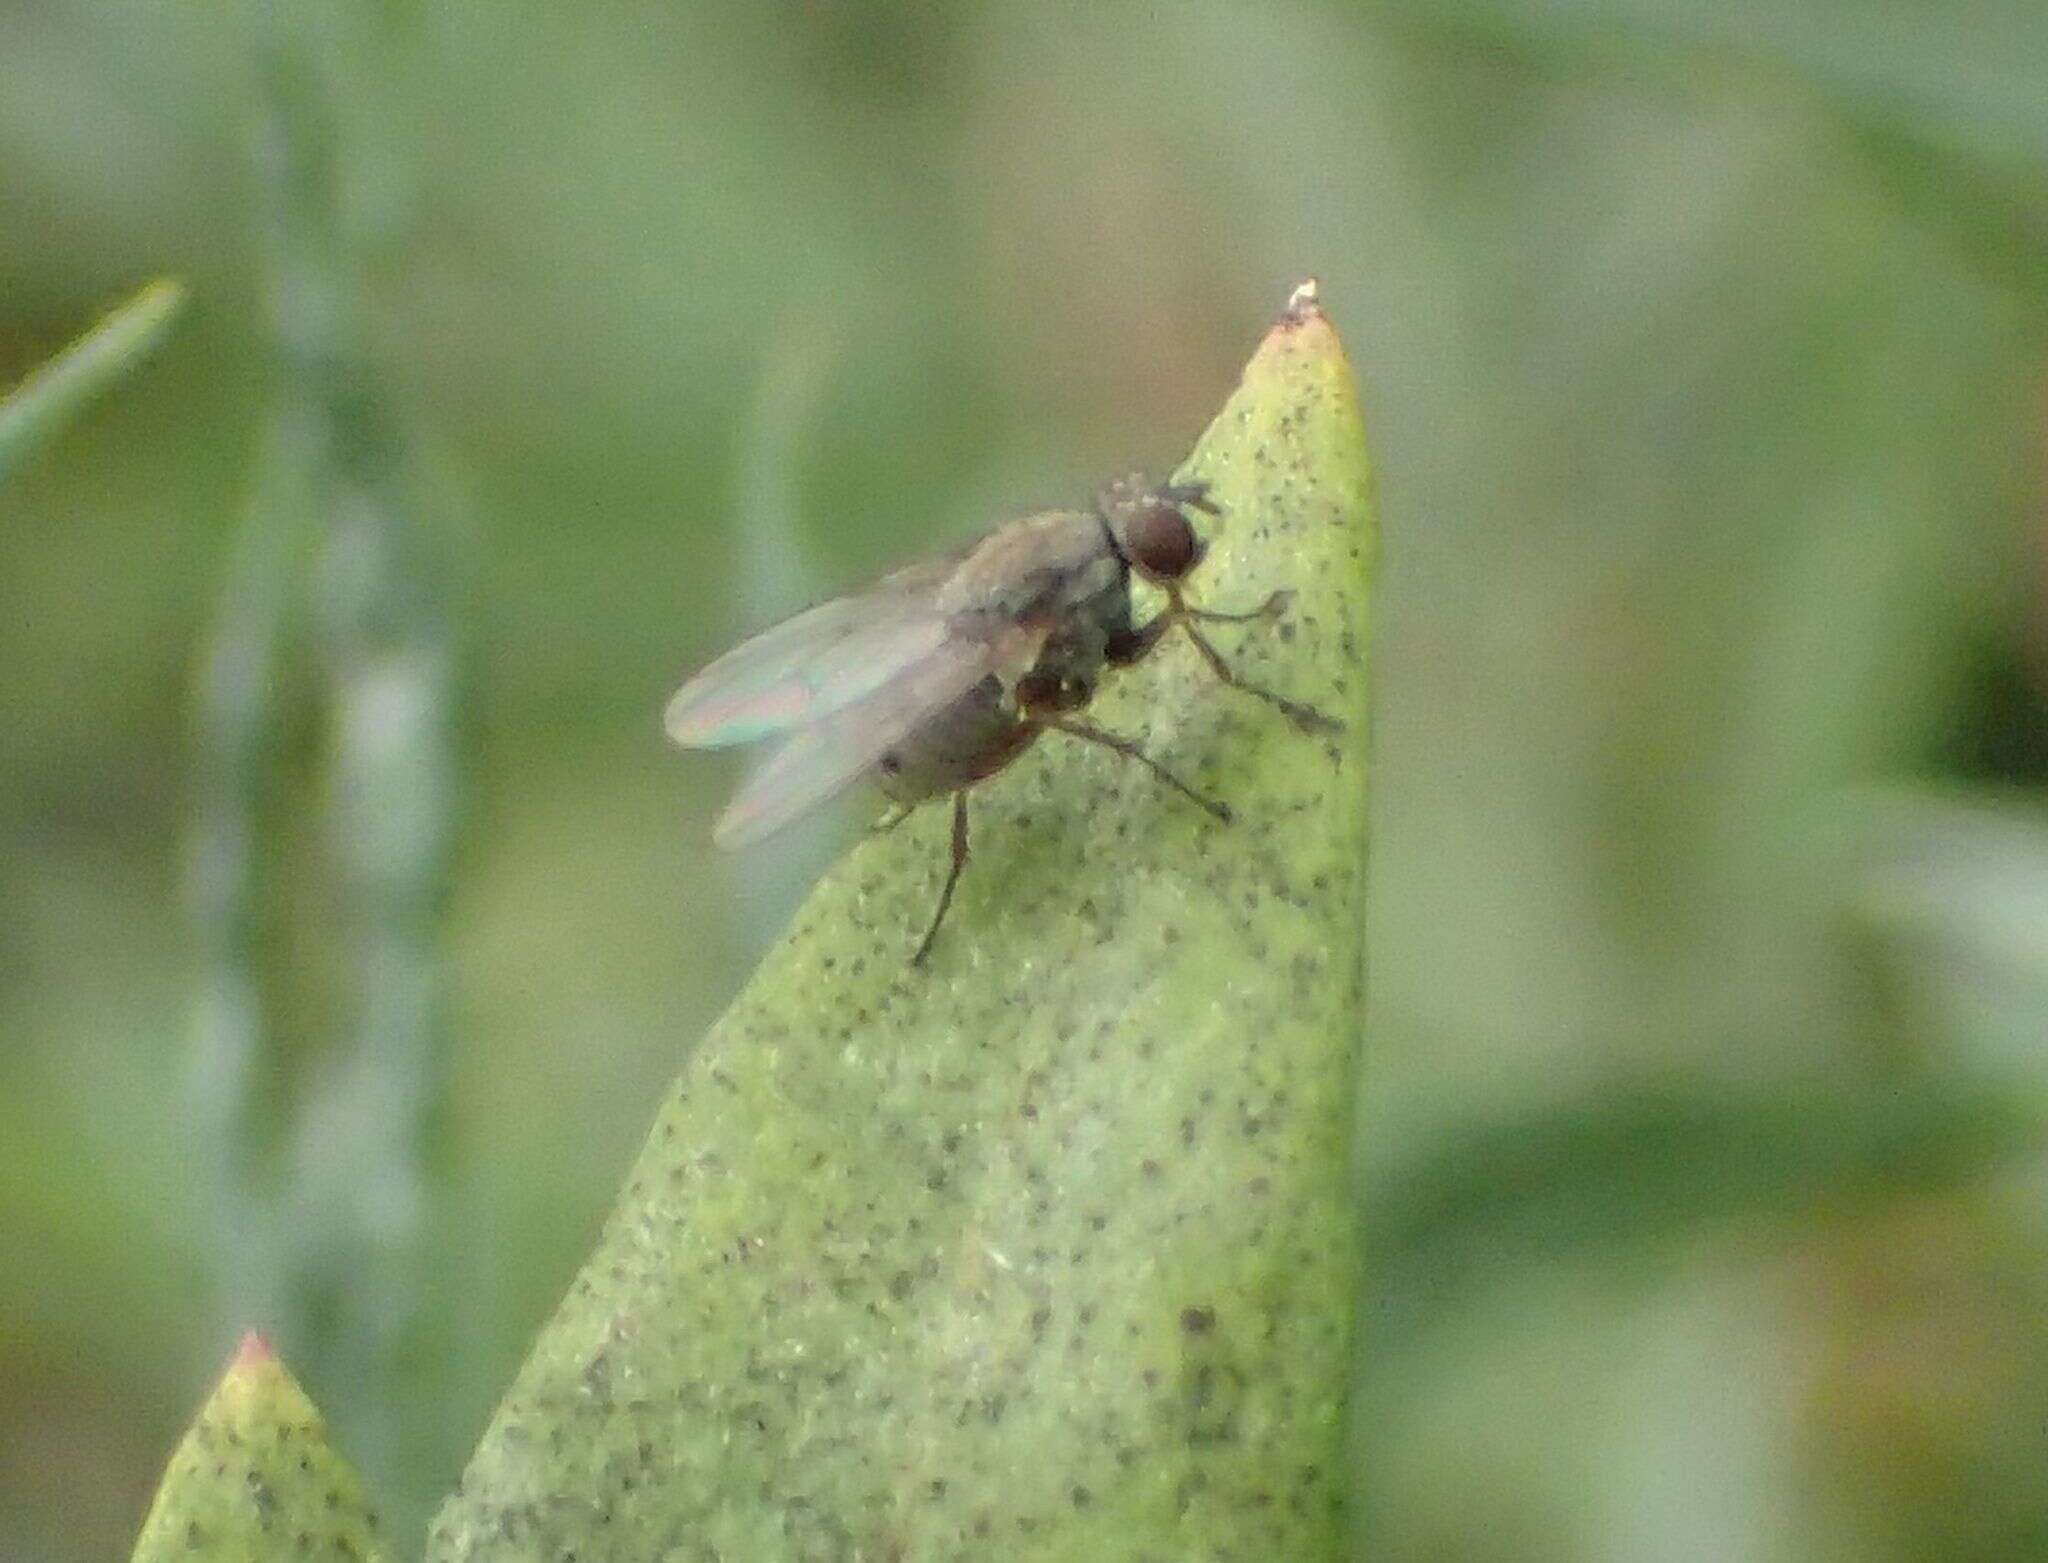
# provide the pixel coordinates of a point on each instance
(1703, 360)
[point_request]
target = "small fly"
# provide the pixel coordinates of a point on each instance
(941, 674)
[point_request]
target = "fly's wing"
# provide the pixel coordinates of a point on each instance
(821, 661)
(825, 757)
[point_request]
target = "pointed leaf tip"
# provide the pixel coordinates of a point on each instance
(256, 1477)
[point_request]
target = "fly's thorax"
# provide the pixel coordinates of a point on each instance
(1031, 566)
(974, 737)
(1077, 646)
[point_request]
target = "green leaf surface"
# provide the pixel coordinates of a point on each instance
(256, 1478)
(1043, 1250)
(42, 404)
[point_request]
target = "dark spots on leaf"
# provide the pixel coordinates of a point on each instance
(1198, 1321)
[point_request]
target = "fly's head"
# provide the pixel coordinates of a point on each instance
(1150, 529)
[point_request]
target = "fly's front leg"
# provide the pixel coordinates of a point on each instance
(898, 813)
(1134, 644)
(1193, 494)
(952, 875)
(1271, 608)
(1303, 715)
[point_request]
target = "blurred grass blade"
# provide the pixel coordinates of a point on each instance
(1952, 113)
(1046, 1250)
(1970, 86)
(53, 395)
(257, 1478)
(1637, 1172)
(330, 1210)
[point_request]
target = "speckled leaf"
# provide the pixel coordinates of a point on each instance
(256, 1478)
(1041, 1251)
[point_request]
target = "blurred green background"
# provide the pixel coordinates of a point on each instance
(1704, 359)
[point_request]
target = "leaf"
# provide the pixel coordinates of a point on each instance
(46, 401)
(256, 1478)
(1043, 1250)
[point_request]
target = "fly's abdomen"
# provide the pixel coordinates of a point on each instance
(974, 737)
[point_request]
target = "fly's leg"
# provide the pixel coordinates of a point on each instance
(1271, 608)
(1130, 751)
(952, 875)
(898, 813)
(1195, 495)
(1126, 649)
(1135, 645)
(1307, 718)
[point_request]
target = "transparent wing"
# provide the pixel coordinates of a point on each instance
(821, 661)
(825, 757)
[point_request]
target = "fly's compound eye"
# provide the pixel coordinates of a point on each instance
(1159, 542)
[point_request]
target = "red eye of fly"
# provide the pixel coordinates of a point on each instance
(1159, 541)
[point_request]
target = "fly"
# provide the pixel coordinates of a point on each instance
(941, 674)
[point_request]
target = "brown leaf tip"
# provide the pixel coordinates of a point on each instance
(254, 1352)
(1304, 304)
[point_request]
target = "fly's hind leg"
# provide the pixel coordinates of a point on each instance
(1130, 751)
(952, 875)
